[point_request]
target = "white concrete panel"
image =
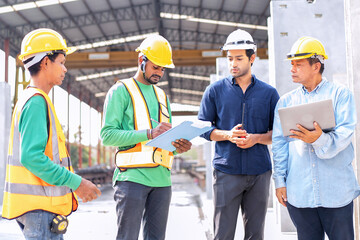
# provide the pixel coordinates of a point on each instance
(5, 121)
(261, 69)
(352, 22)
(291, 20)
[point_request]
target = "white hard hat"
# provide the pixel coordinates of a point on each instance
(239, 39)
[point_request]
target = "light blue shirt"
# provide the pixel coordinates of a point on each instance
(318, 174)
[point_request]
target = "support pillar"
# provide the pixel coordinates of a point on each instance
(352, 34)
(5, 122)
(7, 53)
(90, 160)
(80, 145)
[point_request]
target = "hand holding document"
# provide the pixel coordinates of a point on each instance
(186, 130)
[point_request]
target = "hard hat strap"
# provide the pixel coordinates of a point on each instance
(240, 42)
(320, 57)
(34, 58)
(37, 57)
(297, 55)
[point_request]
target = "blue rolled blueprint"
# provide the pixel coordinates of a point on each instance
(186, 130)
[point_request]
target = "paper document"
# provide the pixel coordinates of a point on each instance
(186, 130)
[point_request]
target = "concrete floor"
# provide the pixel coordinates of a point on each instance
(190, 217)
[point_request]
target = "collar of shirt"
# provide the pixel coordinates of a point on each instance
(232, 80)
(316, 89)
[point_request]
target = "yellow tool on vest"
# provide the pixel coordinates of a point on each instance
(59, 224)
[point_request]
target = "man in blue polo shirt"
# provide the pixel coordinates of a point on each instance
(241, 109)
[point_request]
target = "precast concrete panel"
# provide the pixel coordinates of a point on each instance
(5, 122)
(293, 19)
(352, 23)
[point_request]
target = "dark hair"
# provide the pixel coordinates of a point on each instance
(312, 61)
(249, 53)
(35, 69)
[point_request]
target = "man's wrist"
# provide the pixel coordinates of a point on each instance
(149, 134)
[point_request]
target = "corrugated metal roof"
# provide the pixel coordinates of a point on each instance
(89, 21)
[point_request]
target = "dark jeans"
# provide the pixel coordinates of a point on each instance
(251, 193)
(135, 202)
(313, 223)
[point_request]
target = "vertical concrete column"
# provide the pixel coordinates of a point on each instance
(7, 53)
(352, 21)
(207, 153)
(90, 160)
(5, 122)
(80, 139)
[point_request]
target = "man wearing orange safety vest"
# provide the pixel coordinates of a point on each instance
(142, 180)
(40, 183)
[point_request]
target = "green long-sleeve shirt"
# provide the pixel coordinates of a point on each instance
(118, 131)
(34, 135)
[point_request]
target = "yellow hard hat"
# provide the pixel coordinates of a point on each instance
(43, 40)
(306, 47)
(158, 50)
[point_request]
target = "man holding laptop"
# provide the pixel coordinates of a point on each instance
(313, 174)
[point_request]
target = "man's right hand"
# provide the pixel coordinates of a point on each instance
(281, 195)
(87, 191)
(236, 132)
(161, 128)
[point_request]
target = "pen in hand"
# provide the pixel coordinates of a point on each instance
(154, 120)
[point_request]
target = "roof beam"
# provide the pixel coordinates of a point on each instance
(143, 12)
(124, 59)
(83, 20)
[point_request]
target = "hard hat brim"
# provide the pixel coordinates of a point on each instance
(70, 50)
(295, 57)
(238, 47)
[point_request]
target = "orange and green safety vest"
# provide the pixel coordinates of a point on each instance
(23, 190)
(141, 155)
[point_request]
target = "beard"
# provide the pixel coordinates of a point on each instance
(239, 72)
(153, 79)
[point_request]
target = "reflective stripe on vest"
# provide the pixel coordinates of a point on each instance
(141, 155)
(24, 191)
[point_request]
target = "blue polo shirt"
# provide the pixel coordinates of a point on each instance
(222, 104)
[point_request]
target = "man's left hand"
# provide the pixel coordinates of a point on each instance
(246, 142)
(182, 145)
(305, 135)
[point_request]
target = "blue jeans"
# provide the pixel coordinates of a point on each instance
(35, 225)
(135, 202)
(313, 223)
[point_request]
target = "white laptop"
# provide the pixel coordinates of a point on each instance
(305, 114)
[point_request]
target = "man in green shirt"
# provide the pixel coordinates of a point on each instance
(40, 183)
(141, 180)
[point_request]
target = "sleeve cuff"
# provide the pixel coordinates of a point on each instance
(279, 183)
(321, 141)
(75, 181)
(207, 134)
